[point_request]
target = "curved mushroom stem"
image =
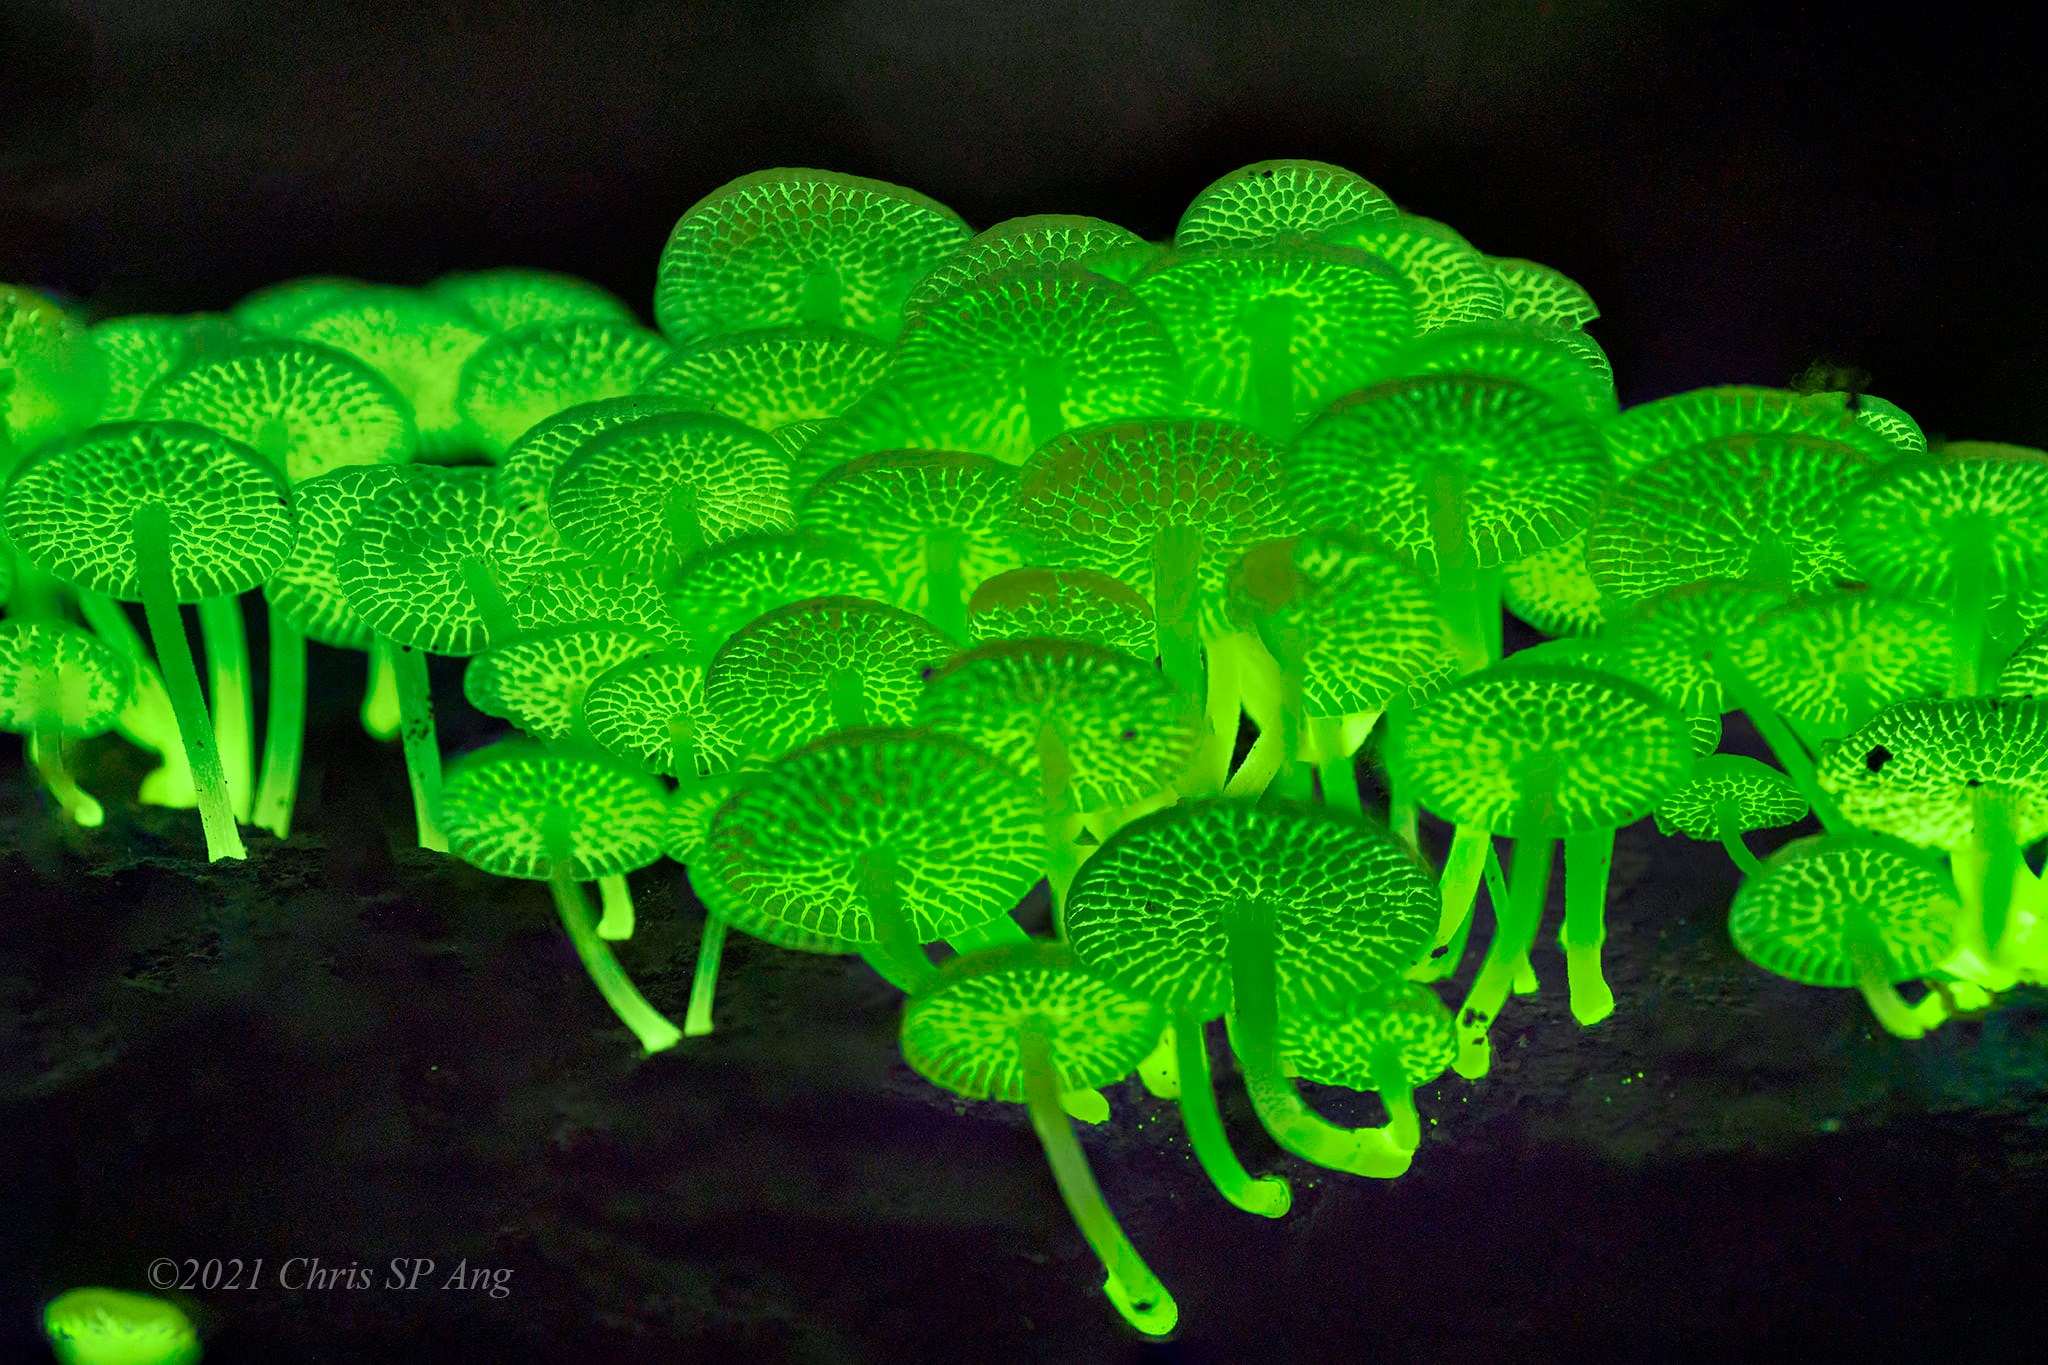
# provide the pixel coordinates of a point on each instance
(898, 954)
(1208, 770)
(1402, 815)
(148, 721)
(1874, 976)
(380, 692)
(1785, 746)
(284, 731)
(151, 528)
(1513, 932)
(420, 742)
(1130, 1285)
(654, 1032)
(1464, 594)
(1160, 1071)
(1397, 1093)
(1176, 565)
(1728, 826)
(1255, 1035)
(1464, 864)
(704, 985)
(1336, 741)
(501, 625)
(615, 923)
(945, 585)
(227, 665)
(1268, 1196)
(1045, 391)
(1588, 861)
(46, 750)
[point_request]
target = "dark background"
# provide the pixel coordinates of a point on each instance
(342, 1051)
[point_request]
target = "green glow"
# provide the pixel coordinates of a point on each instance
(520, 378)
(59, 683)
(113, 1327)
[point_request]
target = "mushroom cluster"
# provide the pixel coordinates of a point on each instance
(899, 568)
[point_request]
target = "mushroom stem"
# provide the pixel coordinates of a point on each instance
(1970, 608)
(654, 1032)
(683, 518)
(1255, 1035)
(822, 290)
(1337, 760)
(1397, 1093)
(151, 528)
(46, 750)
(1160, 1071)
(501, 626)
(420, 742)
(1464, 864)
(846, 694)
(284, 730)
(1176, 566)
(1785, 746)
(227, 664)
(1267, 1196)
(898, 954)
(148, 721)
(1514, 931)
(1727, 825)
(1462, 591)
(1208, 770)
(704, 985)
(1588, 861)
(1045, 391)
(1130, 1285)
(380, 693)
(945, 584)
(615, 920)
(1269, 325)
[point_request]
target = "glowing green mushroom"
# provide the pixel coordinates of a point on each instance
(142, 348)
(572, 593)
(745, 578)
(1827, 663)
(114, 1327)
(1448, 278)
(277, 308)
(526, 471)
(936, 523)
(877, 842)
(1848, 910)
(524, 376)
(1543, 293)
(1279, 201)
(1965, 527)
(2026, 669)
(1542, 752)
(164, 513)
(1023, 1024)
(58, 683)
(651, 710)
(771, 377)
(1390, 1039)
(504, 300)
(822, 664)
(1554, 591)
(538, 681)
(1727, 796)
(1566, 365)
(518, 809)
(418, 343)
(53, 379)
(1264, 911)
(1073, 604)
(1037, 240)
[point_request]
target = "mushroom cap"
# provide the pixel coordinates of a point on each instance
(1797, 918)
(691, 809)
(1041, 239)
(502, 806)
(750, 253)
(70, 510)
(964, 1031)
(1543, 749)
(1554, 591)
(505, 299)
(2026, 669)
(964, 365)
(402, 560)
(1528, 472)
(1124, 731)
(962, 834)
(1449, 280)
(57, 377)
(1397, 1017)
(141, 348)
(1888, 420)
(538, 681)
(1070, 604)
(417, 342)
(1650, 431)
(305, 407)
(631, 708)
(1918, 769)
(526, 471)
(306, 588)
(740, 580)
(1542, 293)
(277, 308)
(614, 498)
(579, 594)
(1834, 658)
(891, 504)
(1669, 641)
(1764, 798)
(1905, 529)
(1569, 366)
(1703, 723)
(530, 373)
(1763, 507)
(1348, 312)
(1351, 904)
(1098, 499)
(769, 377)
(113, 1327)
(1279, 201)
(772, 679)
(51, 669)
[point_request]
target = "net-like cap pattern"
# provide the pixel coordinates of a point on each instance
(1447, 277)
(1569, 366)
(417, 342)
(1834, 658)
(306, 588)
(1279, 201)
(770, 377)
(538, 682)
(524, 474)
(1909, 527)
(141, 348)
(277, 308)
(1761, 798)
(1074, 604)
(1921, 769)
(633, 711)
(1043, 239)
(1554, 591)
(530, 373)
(505, 299)
(512, 808)
(1542, 293)
(1394, 1021)
(1648, 432)
(63, 673)
(573, 593)
(1803, 916)
(748, 576)
(894, 503)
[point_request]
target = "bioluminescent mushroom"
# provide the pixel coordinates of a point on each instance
(936, 523)
(115, 1327)
(790, 245)
(2025, 673)
(524, 376)
(1568, 366)
(503, 300)
(575, 593)
(1542, 293)
(148, 721)
(277, 308)
(1829, 662)
(822, 664)
(1390, 1039)
(1269, 336)
(526, 471)
(1848, 910)
(417, 342)
(745, 578)
(1727, 796)
(59, 683)
(1448, 278)
(692, 807)
(1070, 604)
(1271, 202)
(55, 379)
(1029, 353)
(1554, 591)
(142, 348)
(1041, 239)
(1651, 431)
(878, 842)
(1459, 474)
(1022, 1024)
(650, 710)
(1542, 753)
(1964, 527)
(538, 681)
(773, 376)
(1262, 911)
(163, 513)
